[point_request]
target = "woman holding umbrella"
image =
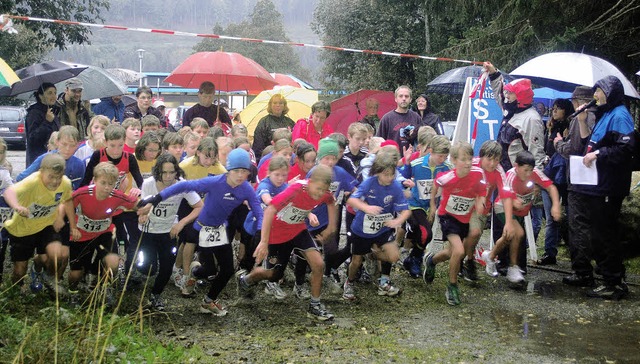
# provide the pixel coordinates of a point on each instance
(41, 121)
(276, 119)
(423, 108)
(142, 106)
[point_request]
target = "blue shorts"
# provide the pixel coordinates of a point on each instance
(361, 245)
(451, 226)
(22, 248)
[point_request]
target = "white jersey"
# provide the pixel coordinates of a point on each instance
(163, 216)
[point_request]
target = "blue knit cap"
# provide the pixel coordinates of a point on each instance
(238, 158)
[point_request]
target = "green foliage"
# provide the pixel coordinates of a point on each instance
(265, 22)
(35, 38)
(508, 33)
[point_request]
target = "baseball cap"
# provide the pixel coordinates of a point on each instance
(74, 84)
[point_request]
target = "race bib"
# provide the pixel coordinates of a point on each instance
(424, 189)
(38, 211)
(211, 236)
(371, 224)
(5, 214)
(339, 198)
(161, 215)
(93, 226)
(458, 205)
(293, 215)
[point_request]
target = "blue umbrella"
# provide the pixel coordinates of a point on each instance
(550, 94)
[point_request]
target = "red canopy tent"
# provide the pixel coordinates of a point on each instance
(353, 107)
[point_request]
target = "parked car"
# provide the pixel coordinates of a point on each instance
(12, 125)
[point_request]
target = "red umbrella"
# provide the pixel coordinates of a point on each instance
(228, 72)
(284, 80)
(353, 107)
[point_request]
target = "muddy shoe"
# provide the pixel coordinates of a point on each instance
(608, 292)
(386, 289)
(348, 293)
(429, 269)
(412, 265)
(273, 289)
(214, 308)
(189, 286)
(36, 280)
(301, 291)
(578, 280)
(469, 271)
(546, 260)
(156, 302)
(244, 289)
(452, 294)
(319, 312)
(179, 278)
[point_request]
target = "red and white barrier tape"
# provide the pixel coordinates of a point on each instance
(217, 36)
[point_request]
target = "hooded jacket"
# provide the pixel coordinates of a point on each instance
(108, 108)
(612, 137)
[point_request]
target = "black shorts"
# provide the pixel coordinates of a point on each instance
(189, 235)
(451, 226)
(362, 246)
(279, 254)
(419, 229)
(22, 248)
(81, 252)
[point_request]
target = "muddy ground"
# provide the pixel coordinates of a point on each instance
(543, 322)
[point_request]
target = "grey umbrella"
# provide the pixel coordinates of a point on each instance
(454, 80)
(33, 76)
(125, 75)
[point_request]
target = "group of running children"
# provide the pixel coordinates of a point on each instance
(198, 189)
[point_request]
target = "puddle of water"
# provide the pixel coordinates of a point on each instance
(577, 338)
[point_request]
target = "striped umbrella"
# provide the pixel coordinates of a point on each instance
(7, 76)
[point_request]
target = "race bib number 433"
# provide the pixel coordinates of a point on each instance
(211, 236)
(371, 224)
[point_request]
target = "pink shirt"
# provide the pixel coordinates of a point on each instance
(304, 129)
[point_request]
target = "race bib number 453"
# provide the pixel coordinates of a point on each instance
(458, 205)
(211, 236)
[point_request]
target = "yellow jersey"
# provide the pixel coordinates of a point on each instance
(193, 171)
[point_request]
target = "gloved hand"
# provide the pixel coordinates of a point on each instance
(154, 200)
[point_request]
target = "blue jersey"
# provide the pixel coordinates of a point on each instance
(390, 198)
(74, 169)
(265, 187)
(342, 182)
(423, 176)
(222, 199)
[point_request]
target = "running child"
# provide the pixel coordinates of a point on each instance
(432, 161)
(284, 230)
(95, 205)
(463, 190)
(268, 188)
(159, 229)
(381, 207)
(489, 161)
(214, 244)
(36, 222)
(521, 180)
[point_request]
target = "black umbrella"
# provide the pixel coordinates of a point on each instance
(454, 80)
(33, 76)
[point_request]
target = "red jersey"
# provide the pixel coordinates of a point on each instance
(293, 205)
(123, 167)
(495, 180)
(128, 149)
(263, 172)
(93, 217)
(459, 194)
(524, 190)
(294, 172)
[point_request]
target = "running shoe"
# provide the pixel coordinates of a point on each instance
(156, 302)
(609, 292)
(452, 294)
(244, 289)
(490, 267)
(36, 280)
(189, 286)
(385, 288)
(273, 289)
(514, 275)
(429, 269)
(301, 291)
(319, 312)
(348, 291)
(469, 271)
(179, 278)
(214, 307)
